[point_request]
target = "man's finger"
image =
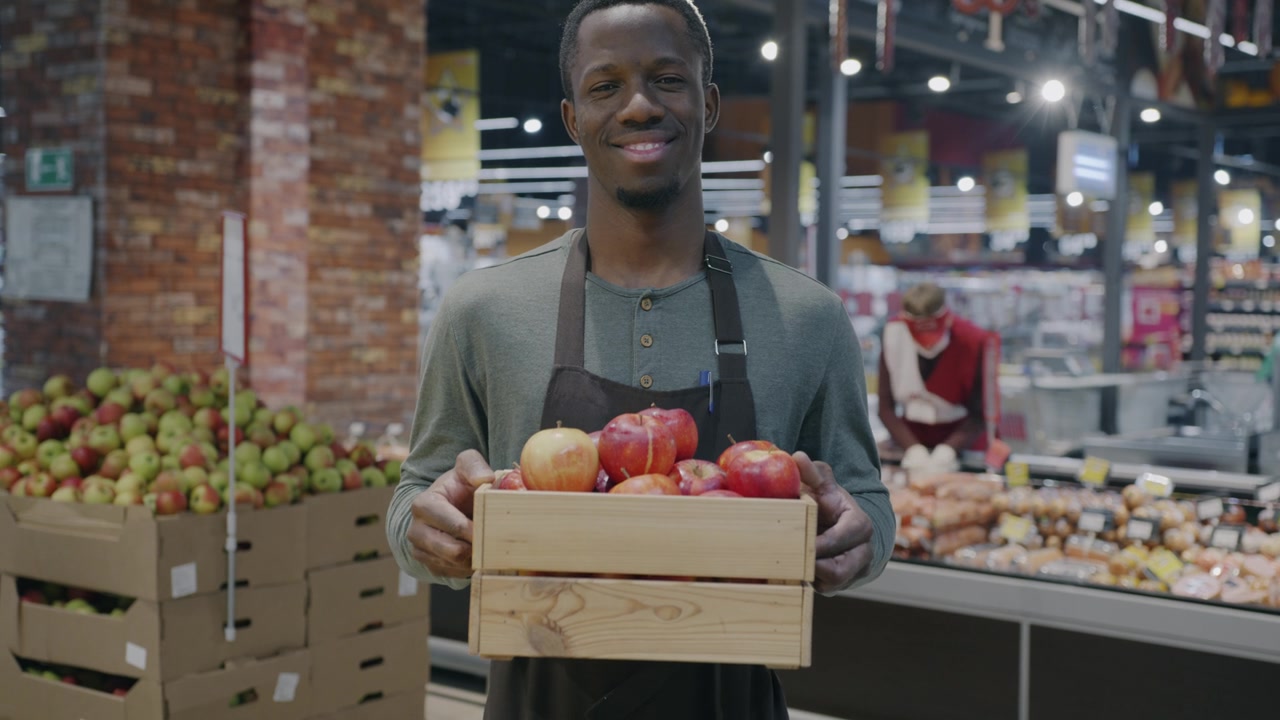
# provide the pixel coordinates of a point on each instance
(812, 474)
(837, 573)
(851, 529)
(436, 549)
(433, 509)
(473, 469)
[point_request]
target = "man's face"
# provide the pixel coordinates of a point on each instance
(639, 108)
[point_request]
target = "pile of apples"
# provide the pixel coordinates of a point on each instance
(79, 600)
(161, 438)
(91, 679)
(649, 453)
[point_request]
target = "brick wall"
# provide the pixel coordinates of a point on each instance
(52, 73)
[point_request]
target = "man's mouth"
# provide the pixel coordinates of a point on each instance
(645, 151)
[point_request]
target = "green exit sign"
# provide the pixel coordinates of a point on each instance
(50, 169)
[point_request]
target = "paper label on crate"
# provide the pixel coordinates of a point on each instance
(1210, 509)
(1017, 474)
(286, 687)
(1140, 529)
(1269, 492)
(182, 580)
(1226, 537)
(1095, 521)
(1015, 528)
(408, 584)
(135, 655)
(1155, 485)
(1164, 566)
(1095, 471)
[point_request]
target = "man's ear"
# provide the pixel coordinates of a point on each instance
(569, 116)
(712, 109)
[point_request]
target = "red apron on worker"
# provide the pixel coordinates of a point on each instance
(947, 389)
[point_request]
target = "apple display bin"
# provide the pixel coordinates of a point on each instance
(536, 591)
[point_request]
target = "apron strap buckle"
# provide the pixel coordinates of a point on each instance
(743, 343)
(719, 264)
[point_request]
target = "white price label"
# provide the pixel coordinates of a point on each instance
(1269, 492)
(1140, 529)
(1210, 509)
(182, 580)
(1226, 538)
(1155, 485)
(135, 655)
(286, 687)
(408, 584)
(1093, 521)
(233, 285)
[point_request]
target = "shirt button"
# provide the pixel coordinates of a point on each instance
(646, 304)
(646, 340)
(646, 381)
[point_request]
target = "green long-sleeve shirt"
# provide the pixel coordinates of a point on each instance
(488, 359)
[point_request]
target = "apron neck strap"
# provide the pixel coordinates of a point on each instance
(730, 346)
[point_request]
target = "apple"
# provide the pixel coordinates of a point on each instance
(204, 435)
(290, 481)
(275, 459)
(66, 413)
(283, 421)
(261, 434)
(86, 458)
(140, 444)
(207, 418)
(170, 502)
(131, 481)
(247, 452)
(192, 456)
(63, 467)
(352, 479)
(192, 477)
(175, 420)
(23, 399)
(204, 499)
(104, 439)
(80, 605)
(149, 499)
(245, 495)
(202, 397)
(509, 480)
(291, 451)
(120, 396)
(58, 386)
(167, 480)
(50, 429)
(98, 491)
(32, 416)
(19, 488)
(764, 473)
(176, 385)
(254, 474)
(339, 450)
(8, 458)
(146, 464)
(29, 467)
(560, 459)
(65, 494)
(696, 477)
(277, 493)
(373, 477)
(141, 386)
(35, 597)
(343, 465)
(24, 444)
(8, 478)
(114, 464)
(362, 455)
(648, 484)
(41, 485)
(73, 481)
(219, 480)
(633, 444)
(319, 457)
(109, 413)
(392, 471)
(128, 497)
(131, 426)
(732, 452)
(101, 381)
(170, 438)
(682, 426)
(604, 483)
(326, 480)
(304, 436)
(324, 434)
(220, 381)
(48, 450)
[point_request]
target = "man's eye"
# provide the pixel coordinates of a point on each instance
(604, 87)
(671, 80)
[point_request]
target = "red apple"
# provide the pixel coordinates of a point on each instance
(50, 429)
(9, 477)
(167, 480)
(114, 464)
(764, 473)
(682, 426)
(277, 493)
(720, 493)
(339, 450)
(109, 413)
(732, 452)
(66, 414)
(41, 485)
(204, 499)
(352, 480)
(560, 459)
(696, 477)
(72, 482)
(510, 480)
(170, 502)
(362, 456)
(633, 444)
(192, 456)
(649, 484)
(604, 483)
(87, 458)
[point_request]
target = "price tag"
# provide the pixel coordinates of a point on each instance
(1227, 537)
(135, 655)
(182, 580)
(1155, 485)
(1095, 471)
(1017, 474)
(1140, 529)
(1015, 528)
(998, 454)
(408, 585)
(1269, 492)
(1164, 566)
(286, 687)
(1095, 521)
(1210, 509)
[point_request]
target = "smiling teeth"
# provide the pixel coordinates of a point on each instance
(645, 147)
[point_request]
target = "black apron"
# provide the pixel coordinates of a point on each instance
(561, 689)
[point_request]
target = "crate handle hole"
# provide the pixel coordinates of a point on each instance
(367, 520)
(241, 623)
(372, 592)
(244, 545)
(371, 663)
(244, 697)
(371, 697)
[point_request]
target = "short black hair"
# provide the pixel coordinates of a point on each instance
(696, 32)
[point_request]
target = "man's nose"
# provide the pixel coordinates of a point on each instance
(641, 108)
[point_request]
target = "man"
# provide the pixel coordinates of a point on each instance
(935, 365)
(618, 317)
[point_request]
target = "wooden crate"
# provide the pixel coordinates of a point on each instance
(690, 579)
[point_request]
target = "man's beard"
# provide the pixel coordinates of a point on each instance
(649, 200)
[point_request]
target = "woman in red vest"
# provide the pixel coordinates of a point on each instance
(934, 370)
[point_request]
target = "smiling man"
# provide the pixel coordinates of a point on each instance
(644, 306)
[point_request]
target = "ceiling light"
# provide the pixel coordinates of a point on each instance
(565, 213)
(544, 212)
(1150, 115)
(850, 67)
(532, 125)
(768, 156)
(842, 233)
(1245, 216)
(1161, 246)
(965, 184)
(939, 84)
(1013, 98)
(722, 225)
(1053, 91)
(1222, 177)
(1075, 199)
(769, 51)
(1156, 208)
(503, 123)
(1269, 240)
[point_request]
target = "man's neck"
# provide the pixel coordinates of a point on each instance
(635, 249)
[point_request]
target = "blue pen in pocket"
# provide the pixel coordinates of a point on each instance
(704, 378)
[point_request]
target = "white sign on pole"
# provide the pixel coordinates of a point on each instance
(234, 307)
(48, 248)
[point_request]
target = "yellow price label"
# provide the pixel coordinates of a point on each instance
(1164, 566)
(1017, 474)
(1095, 471)
(1155, 485)
(1015, 528)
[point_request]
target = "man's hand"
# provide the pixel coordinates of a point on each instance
(440, 533)
(843, 548)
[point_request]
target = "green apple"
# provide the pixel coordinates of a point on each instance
(326, 480)
(319, 457)
(140, 444)
(282, 422)
(146, 464)
(290, 451)
(193, 476)
(304, 436)
(131, 481)
(48, 450)
(101, 381)
(345, 465)
(66, 493)
(373, 477)
(264, 416)
(175, 420)
(104, 439)
(219, 480)
(131, 426)
(58, 386)
(63, 467)
(392, 471)
(98, 491)
(275, 459)
(176, 385)
(24, 444)
(170, 462)
(203, 397)
(254, 474)
(325, 433)
(247, 452)
(169, 439)
(32, 416)
(120, 396)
